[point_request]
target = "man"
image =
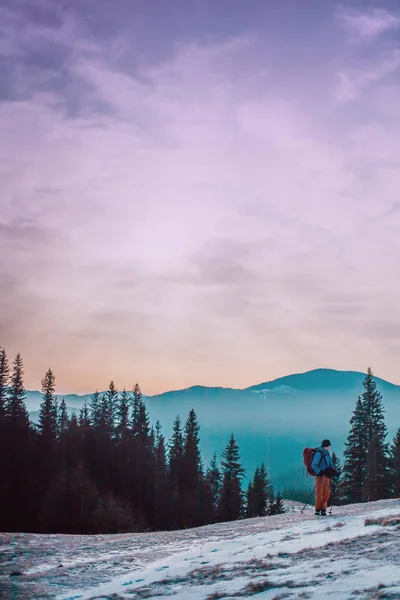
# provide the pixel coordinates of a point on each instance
(323, 468)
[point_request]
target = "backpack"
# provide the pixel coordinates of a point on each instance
(308, 455)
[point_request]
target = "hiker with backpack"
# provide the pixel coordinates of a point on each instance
(319, 464)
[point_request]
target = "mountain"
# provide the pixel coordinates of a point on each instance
(323, 379)
(273, 421)
(352, 554)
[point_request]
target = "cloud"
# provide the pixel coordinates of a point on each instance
(368, 24)
(191, 219)
(359, 80)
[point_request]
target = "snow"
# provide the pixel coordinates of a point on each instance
(279, 389)
(293, 555)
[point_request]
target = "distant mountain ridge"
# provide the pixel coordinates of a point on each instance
(322, 379)
(313, 380)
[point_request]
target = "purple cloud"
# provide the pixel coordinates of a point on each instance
(190, 208)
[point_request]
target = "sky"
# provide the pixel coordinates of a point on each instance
(199, 191)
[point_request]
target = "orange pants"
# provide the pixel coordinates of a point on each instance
(322, 493)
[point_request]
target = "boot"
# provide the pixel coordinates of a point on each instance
(323, 513)
(317, 513)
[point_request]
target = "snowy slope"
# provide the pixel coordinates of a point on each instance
(288, 556)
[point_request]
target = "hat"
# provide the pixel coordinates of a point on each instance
(326, 443)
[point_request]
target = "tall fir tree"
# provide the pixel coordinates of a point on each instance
(143, 467)
(192, 473)
(105, 420)
(162, 498)
(111, 403)
(94, 409)
(231, 500)
(73, 444)
(47, 445)
(19, 439)
(137, 399)
(62, 418)
(62, 423)
(377, 476)
(175, 462)
(84, 417)
(176, 472)
(354, 469)
(48, 413)
(374, 419)
(102, 455)
(123, 426)
(16, 413)
(124, 447)
(191, 453)
(4, 384)
(395, 465)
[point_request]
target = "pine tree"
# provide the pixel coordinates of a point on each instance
(143, 467)
(48, 413)
(62, 422)
(176, 456)
(335, 498)
(111, 406)
(137, 399)
(354, 469)
(176, 472)
(231, 501)
(374, 420)
(84, 417)
(16, 413)
(4, 383)
(377, 480)
(94, 409)
(105, 419)
(47, 445)
(214, 479)
(276, 505)
(99, 456)
(395, 465)
(250, 498)
(258, 494)
(191, 454)
(162, 500)
(122, 429)
(73, 443)
(62, 418)
(19, 439)
(124, 447)
(192, 473)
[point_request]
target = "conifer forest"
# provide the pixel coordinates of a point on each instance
(108, 470)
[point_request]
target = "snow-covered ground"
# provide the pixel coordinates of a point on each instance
(288, 556)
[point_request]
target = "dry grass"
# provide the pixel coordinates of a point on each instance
(255, 588)
(210, 574)
(390, 521)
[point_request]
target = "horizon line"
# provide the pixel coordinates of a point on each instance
(176, 390)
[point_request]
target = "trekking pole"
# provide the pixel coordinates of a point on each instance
(309, 498)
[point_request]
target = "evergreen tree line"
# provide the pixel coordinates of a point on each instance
(371, 469)
(107, 470)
